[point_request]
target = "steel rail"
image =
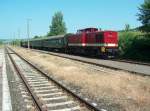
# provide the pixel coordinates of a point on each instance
(118, 60)
(83, 101)
(36, 100)
(130, 61)
(97, 64)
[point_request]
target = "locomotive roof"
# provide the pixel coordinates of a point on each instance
(87, 29)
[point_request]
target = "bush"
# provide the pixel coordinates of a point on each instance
(134, 45)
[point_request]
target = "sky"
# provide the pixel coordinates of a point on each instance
(78, 14)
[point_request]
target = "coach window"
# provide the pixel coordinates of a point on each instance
(59, 41)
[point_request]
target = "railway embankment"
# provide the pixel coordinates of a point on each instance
(109, 89)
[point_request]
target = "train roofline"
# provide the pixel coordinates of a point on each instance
(47, 38)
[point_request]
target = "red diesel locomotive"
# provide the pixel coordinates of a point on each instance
(94, 42)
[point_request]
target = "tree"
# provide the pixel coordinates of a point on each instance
(1, 42)
(127, 27)
(35, 37)
(16, 42)
(57, 26)
(144, 16)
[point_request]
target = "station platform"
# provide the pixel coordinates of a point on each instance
(5, 99)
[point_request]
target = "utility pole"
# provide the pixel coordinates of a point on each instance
(19, 36)
(14, 39)
(28, 32)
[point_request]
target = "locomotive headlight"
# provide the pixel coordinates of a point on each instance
(102, 49)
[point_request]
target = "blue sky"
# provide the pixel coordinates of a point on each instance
(105, 14)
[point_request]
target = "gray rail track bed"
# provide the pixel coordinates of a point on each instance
(53, 97)
(21, 99)
(140, 69)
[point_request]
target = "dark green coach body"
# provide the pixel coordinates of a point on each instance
(52, 42)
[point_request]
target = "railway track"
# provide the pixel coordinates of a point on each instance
(46, 93)
(118, 60)
(130, 66)
(132, 62)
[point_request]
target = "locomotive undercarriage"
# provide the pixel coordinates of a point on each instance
(101, 52)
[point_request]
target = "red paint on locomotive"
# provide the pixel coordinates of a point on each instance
(94, 39)
(111, 38)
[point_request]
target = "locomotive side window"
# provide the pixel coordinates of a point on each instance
(99, 37)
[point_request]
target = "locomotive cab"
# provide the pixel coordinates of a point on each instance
(110, 40)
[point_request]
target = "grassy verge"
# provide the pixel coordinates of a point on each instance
(134, 46)
(1, 46)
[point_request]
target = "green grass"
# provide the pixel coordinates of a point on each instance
(134, 45)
